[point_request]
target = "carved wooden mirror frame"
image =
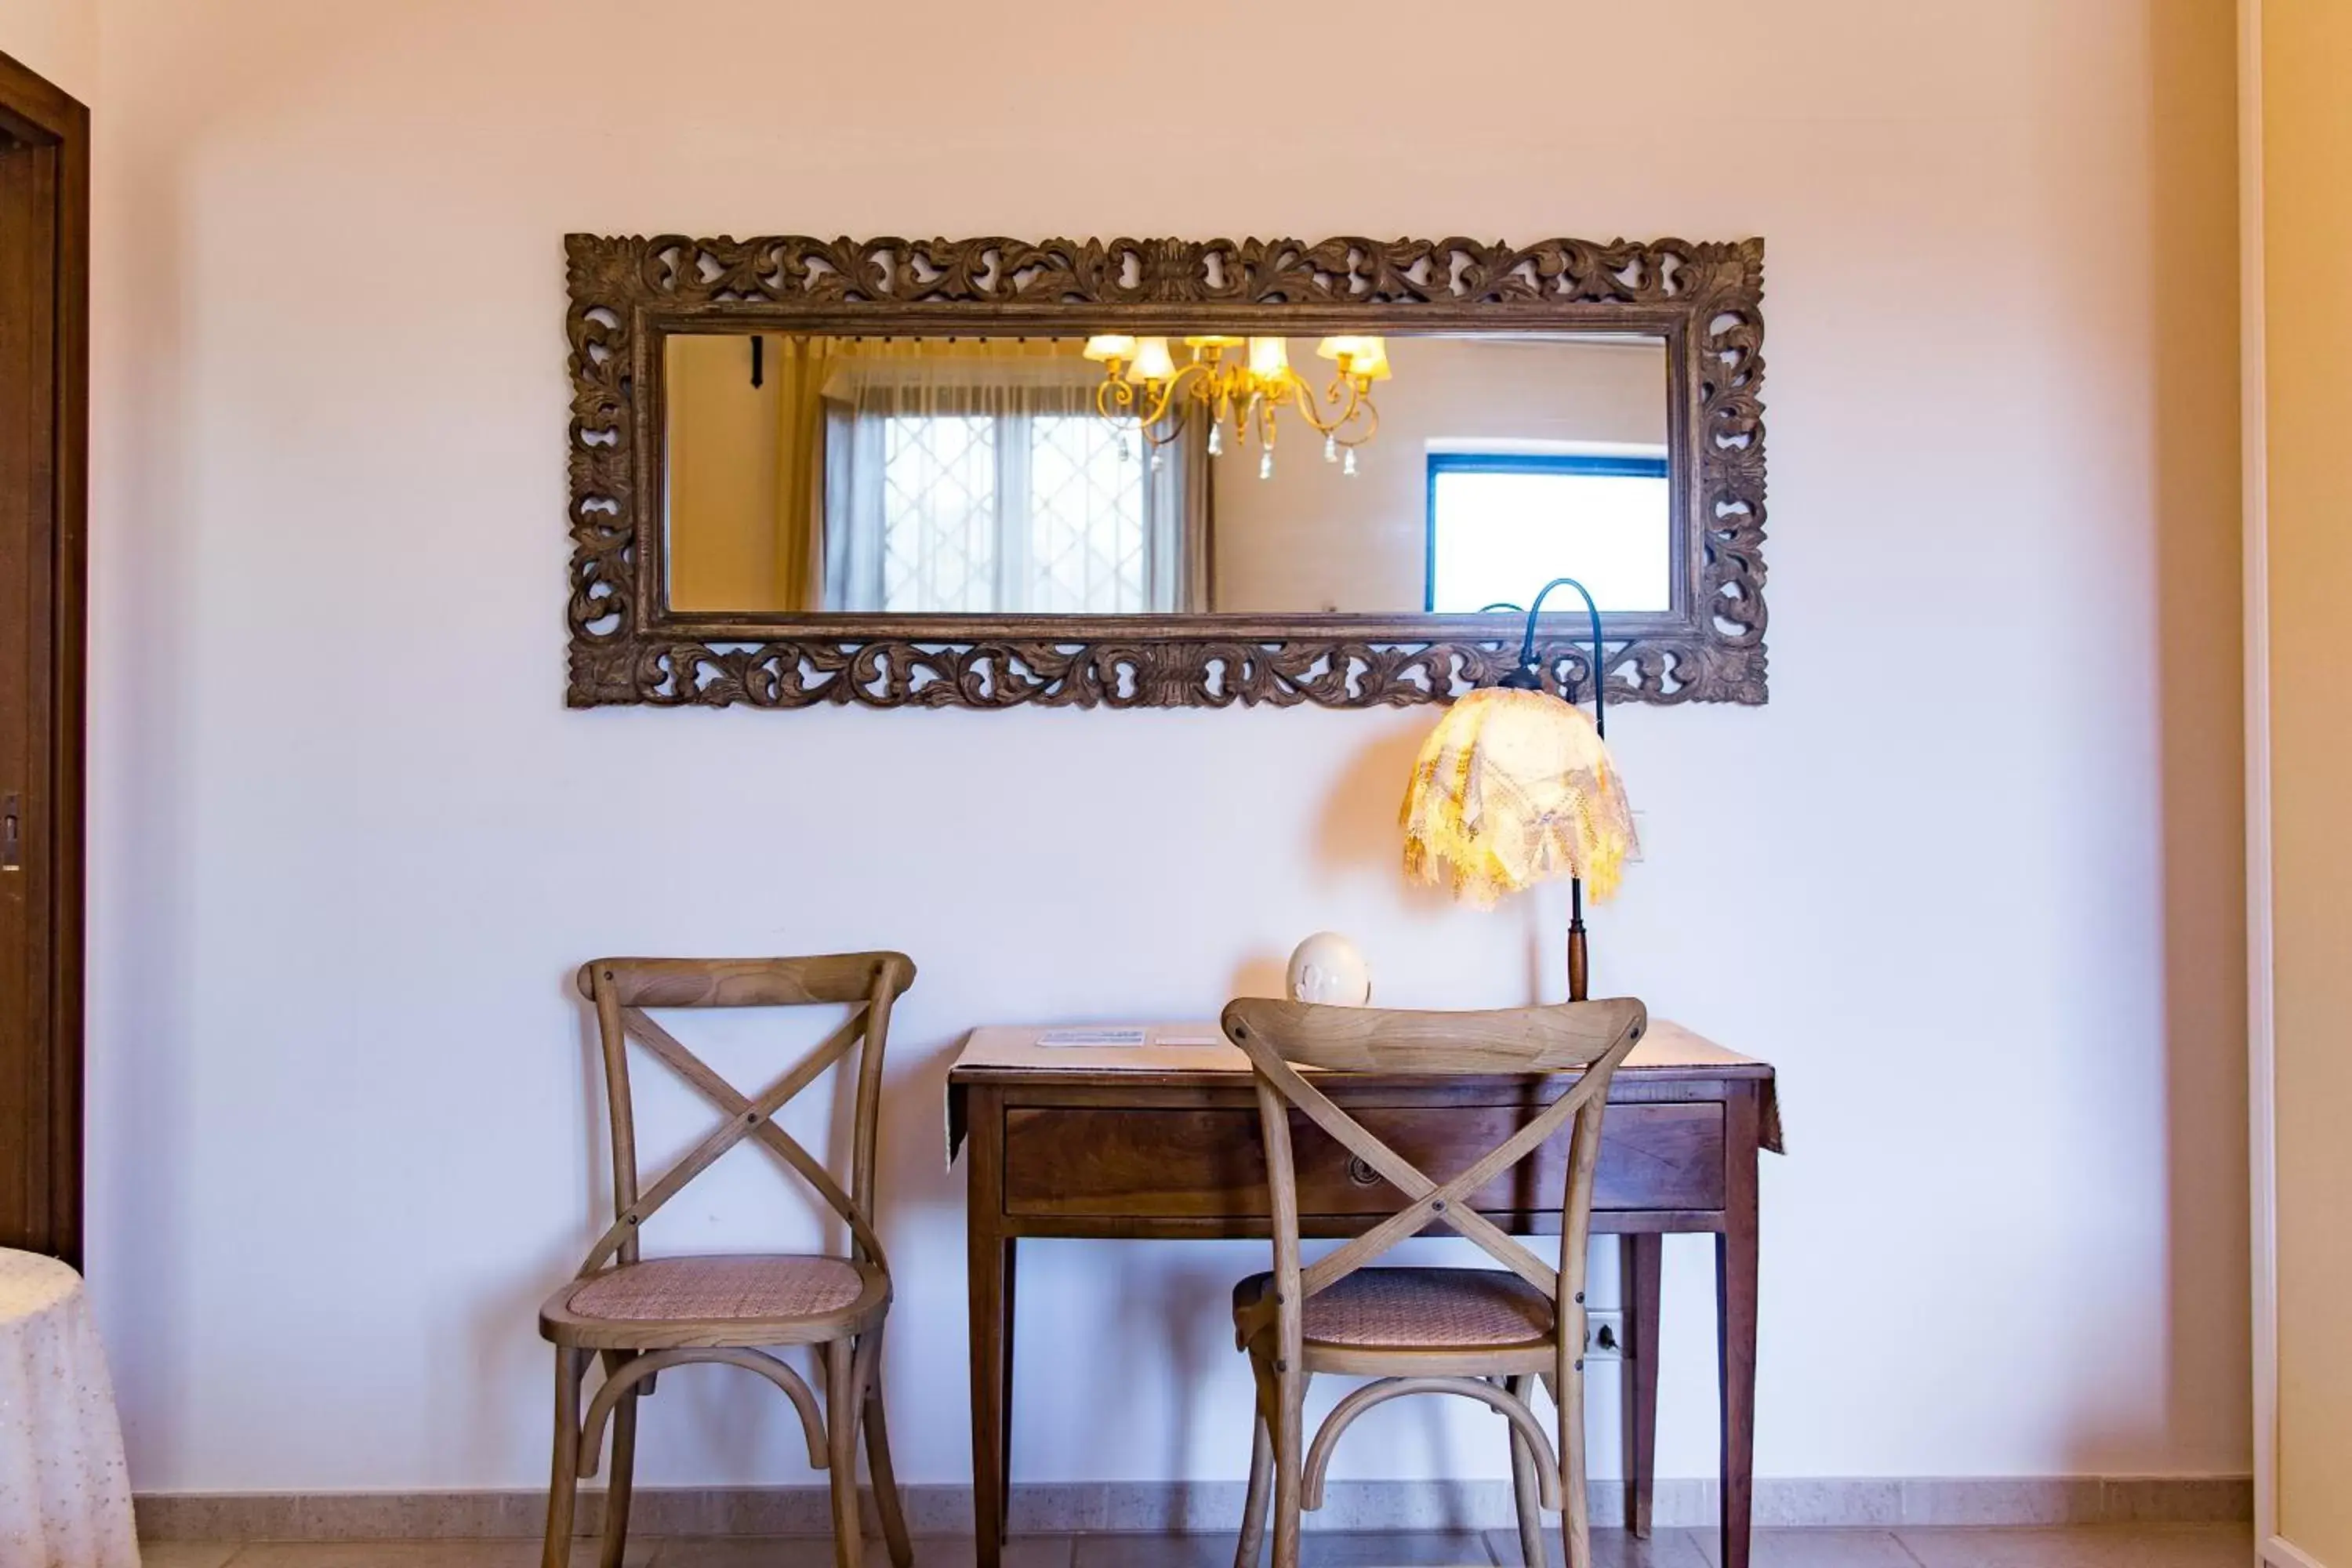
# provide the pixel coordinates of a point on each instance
(627, 293)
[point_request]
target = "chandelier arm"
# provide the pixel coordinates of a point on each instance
(1168, 398)
(1347, 405)
(1358, 405)
(1304, 396)
(1165, 400)
(1118, 398)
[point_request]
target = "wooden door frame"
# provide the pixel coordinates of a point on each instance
(34, 113)
(2253, 371)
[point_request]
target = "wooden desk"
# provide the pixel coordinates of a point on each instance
(1160, 1143)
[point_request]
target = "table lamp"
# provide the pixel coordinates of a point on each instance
(1515, 786)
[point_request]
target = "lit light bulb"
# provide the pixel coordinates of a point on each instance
(1153, 363)
(1269, 360)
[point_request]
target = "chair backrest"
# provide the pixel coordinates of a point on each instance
(623, 988)
(1279, 1037)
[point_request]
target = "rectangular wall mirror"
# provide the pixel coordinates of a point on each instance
(1158, 473)
(976, 475)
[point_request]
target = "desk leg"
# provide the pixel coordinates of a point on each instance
(1643, 1253)
(1735, 1284)
(987, 1264)
(1010, 1333)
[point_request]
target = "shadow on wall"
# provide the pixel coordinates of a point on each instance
(2193, 327)
(1359, 827)
(503, 1355)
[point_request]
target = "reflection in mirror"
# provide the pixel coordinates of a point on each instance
(807, 473)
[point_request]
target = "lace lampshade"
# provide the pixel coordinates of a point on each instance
(1512, 787)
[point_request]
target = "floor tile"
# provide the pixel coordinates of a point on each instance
(2113, 1546)
(2103, 1546)
(817, 1552)
(1611, 1549)
(1805, 1548)
(510, 1554)
(746, 1551)
(185, 1554)
(957, 1552)
(1317, 1549)
(587, 1552)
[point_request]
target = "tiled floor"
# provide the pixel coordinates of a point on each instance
(2117, 1546)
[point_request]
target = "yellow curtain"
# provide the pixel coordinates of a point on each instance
(801, 365)
(1194, 517)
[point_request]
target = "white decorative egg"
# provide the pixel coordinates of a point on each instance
(1327, 967)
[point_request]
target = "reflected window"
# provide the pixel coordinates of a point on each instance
(1501, 524)
(980, 515)
(812, 474)
(939, 520)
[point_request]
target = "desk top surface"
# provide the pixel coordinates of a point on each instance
(1199, 1054)
(1021, 1051)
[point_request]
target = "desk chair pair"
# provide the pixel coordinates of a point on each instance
(1487, 1334)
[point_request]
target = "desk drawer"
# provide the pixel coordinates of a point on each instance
(1074, 1161)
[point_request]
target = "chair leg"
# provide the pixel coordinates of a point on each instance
(1261, 1476)
(1288, 1456)
(618, 1490)
(1523, 1483)
(886, 1478)
(563, 1479)
(1575, 1513)
(841, 1439)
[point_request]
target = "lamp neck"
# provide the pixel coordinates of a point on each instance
(1526, 679)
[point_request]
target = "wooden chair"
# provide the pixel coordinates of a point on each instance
(645, 1316)
(1486, 1333)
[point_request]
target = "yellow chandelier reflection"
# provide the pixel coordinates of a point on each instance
(1143, 384)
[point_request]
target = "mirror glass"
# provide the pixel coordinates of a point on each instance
(991, 476)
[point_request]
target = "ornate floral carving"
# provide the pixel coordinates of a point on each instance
(1704, 296)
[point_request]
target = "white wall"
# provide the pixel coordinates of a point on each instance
(57, 38)
(1313, 536)
(1970, 880)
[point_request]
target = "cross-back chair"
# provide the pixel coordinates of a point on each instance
(1486, 1333)
(644, 1316)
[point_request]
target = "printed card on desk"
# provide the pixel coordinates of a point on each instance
(1096, 1036)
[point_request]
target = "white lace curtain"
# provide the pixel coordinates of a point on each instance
(975, 477)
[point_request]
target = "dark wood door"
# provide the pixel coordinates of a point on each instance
(44, 236)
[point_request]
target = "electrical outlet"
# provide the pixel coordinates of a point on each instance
(1604, 1335)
